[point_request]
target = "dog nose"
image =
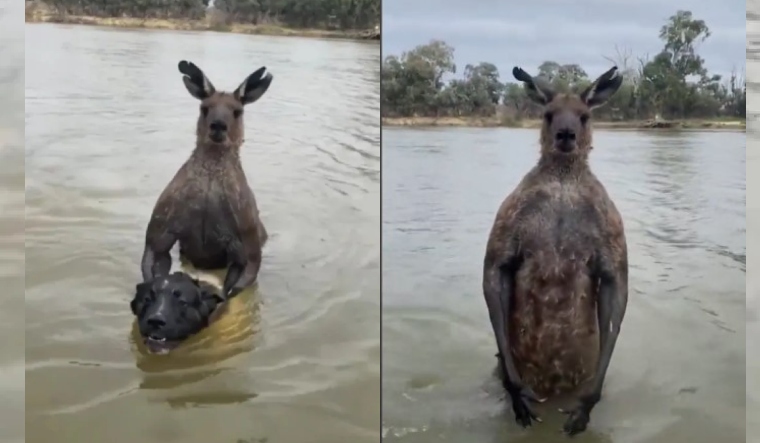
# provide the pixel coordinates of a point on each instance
(218, 126)
(156, 321)
(565, 135)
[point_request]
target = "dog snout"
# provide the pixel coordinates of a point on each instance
(156, 321)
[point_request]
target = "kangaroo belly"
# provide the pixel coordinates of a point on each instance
(210, 235)
(553, 325)
(203, 259)
(204, 250)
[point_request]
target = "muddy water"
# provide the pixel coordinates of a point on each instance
(678, 373)
(12, 224)
(108, 122)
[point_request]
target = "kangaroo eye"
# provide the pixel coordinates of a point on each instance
(237, 113)
(548, 116)
(204, 110)
(584, 118)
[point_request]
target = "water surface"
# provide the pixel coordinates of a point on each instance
(678, 372)
(108, 122)
(11, 224)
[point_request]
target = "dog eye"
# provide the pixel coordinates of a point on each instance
(177, 293)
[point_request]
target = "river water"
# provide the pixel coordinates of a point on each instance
(108, 122)
(678, 372)
(12, 224)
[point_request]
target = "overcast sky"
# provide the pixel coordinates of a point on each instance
(526, 33)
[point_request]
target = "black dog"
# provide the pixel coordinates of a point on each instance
(173, 308)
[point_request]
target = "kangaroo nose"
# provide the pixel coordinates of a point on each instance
(565, 135)
(218, 126)
(156, 321)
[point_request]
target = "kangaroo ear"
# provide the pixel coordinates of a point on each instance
(602, 89)
(538, 90)
(196, 82)
(138, 301)
(254, 86)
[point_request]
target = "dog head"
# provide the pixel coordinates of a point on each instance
(171, 309)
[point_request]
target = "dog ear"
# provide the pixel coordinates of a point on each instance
(210, 300)
(210, 296)
(138, 302)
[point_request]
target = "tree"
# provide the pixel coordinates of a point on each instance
(681, 34)
(333, 14)
(673, 84)
(413, 82)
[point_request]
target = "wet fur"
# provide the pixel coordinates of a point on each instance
(562, 221)
(208, 293)
(208, 207)
(556, 265)
(203, 303)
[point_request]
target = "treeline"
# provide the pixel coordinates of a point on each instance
(674, 84)
(318, 14)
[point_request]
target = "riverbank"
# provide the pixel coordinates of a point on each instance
(41, 16)
(495, 122)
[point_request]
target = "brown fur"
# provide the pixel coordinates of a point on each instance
(208, 207)
(555, 238)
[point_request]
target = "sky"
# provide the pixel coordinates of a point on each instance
(526, 33)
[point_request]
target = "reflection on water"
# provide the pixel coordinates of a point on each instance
(301, 347)
(678, 370)
(753, 219)
(11, 224)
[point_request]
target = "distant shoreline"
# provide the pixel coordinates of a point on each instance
(495, 122)
(198, 25)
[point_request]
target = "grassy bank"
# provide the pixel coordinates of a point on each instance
(495, 122)
(41, 15)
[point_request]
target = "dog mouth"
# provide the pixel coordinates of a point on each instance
(160, 345)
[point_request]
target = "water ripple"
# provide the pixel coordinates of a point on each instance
(102, 145)
(682, 199)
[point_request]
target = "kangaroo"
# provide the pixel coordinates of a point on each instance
(555, 274)
(208, 206)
